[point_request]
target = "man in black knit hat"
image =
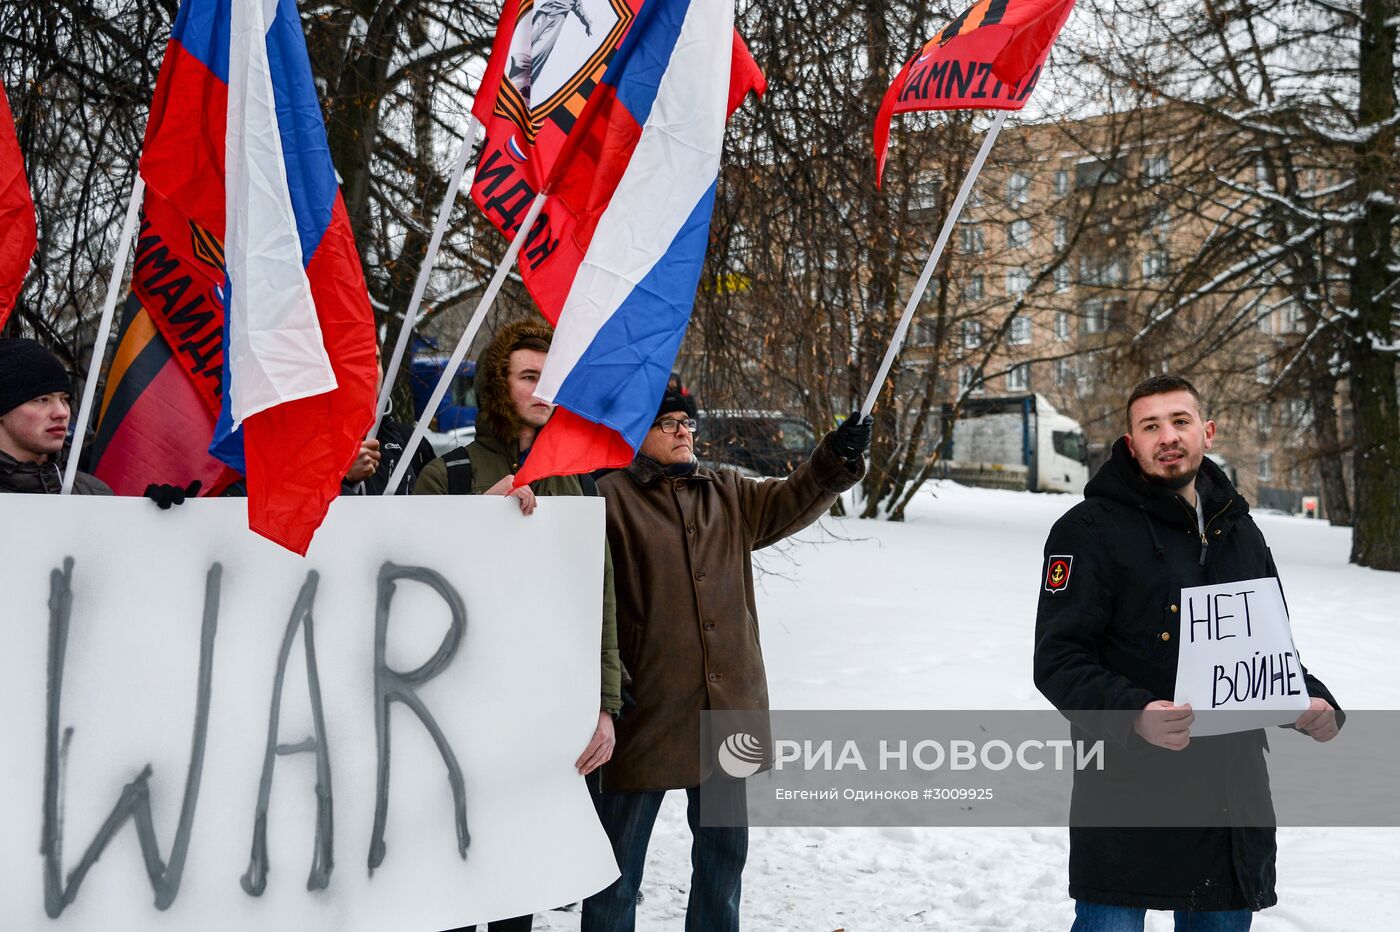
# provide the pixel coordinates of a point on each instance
(34, 413)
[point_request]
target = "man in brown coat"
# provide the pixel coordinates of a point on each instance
(681, 538)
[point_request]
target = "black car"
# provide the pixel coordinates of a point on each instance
(758, 443)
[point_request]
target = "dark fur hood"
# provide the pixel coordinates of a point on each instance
(495, 415)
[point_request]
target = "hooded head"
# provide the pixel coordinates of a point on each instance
(499, 411)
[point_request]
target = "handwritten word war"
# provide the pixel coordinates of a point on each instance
(135, 803)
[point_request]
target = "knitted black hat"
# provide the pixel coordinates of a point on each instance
(28, 370)
(674, 401)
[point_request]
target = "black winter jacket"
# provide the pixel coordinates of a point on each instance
(1106, 640)
(393, 436)
(44, 478)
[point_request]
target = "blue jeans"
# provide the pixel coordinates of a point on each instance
(716, 860)
(1096, 917)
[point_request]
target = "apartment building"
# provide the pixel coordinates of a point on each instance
(1087, 259)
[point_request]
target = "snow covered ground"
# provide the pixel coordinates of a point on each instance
(937, 613)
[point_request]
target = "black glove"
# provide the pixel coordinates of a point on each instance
(852, 438)
(166, 495)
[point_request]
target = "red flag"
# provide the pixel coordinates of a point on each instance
(153, 425)
(18, 229)
(989, 58)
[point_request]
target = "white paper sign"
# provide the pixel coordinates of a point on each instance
(439, 677)
(1236, 655)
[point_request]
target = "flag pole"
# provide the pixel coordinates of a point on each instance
(464, 343)
(903, 329)
(410, 317)
(104, 330)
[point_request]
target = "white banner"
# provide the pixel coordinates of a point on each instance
(436, 662)
(1237, 655)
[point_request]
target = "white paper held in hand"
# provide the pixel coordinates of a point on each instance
(1236, 655)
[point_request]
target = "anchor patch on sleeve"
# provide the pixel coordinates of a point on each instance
(1057, 572)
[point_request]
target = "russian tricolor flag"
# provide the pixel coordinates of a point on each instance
(633, 191)
(237, 143)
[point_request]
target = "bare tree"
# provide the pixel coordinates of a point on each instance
(1298, 100)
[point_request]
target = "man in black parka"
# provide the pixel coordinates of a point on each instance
(1157, 517)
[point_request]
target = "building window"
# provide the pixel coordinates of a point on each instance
(1095, 315)
(1265, 320)
(1293, 318)
(924, 331)
(1155, 265)
(1266, 467)
(1063, 278)
(1262, 373)
(1156, 168)
(1089, 367)
(1062, 325)
(971, 240)
(1018, 234)
(974, 287)
(1094, 170)
(1018, 281)
(1264, 419)
(1018, 189)
(1102, 270)
(1020, 332)
(1018, 378)
(1161, 224)
(1064, 371)
(924, 194)
(967, 381)
(972, 333)
(1061, 183)
(1061, 232)
(1299, 415)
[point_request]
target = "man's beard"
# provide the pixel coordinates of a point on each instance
(1172, 483)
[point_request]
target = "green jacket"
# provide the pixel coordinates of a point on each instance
(492, 461)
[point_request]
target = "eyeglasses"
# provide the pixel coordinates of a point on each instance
(669, 425)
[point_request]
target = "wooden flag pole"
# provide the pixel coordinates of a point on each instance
(463, 344)
(903, 329)
(104, 331)
(410, 317)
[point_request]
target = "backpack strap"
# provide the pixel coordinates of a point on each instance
(459, 471)
(590, 485)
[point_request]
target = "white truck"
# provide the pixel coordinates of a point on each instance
(1015, 442)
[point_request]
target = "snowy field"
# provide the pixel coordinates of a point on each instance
(938, 613)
